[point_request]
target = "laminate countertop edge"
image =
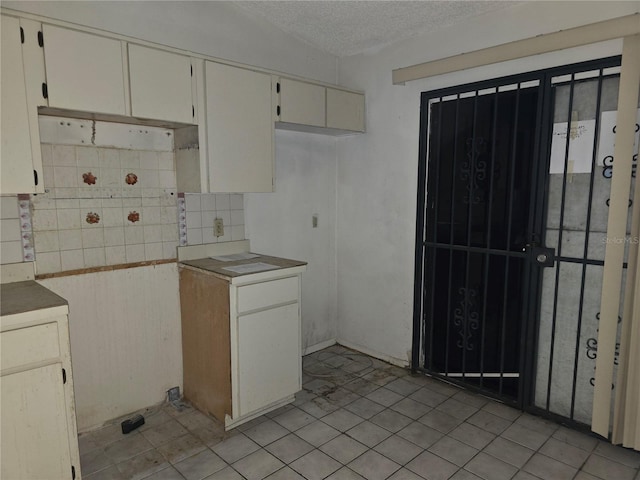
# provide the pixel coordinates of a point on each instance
(27, 296)
(216, 268)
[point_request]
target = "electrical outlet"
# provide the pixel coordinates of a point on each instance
(218, 227)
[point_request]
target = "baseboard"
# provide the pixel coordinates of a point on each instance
(373, 353)
(319, 346)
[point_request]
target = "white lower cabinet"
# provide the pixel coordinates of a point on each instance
(241, 339)
(268, 357)
(31, 404)
(38, 425)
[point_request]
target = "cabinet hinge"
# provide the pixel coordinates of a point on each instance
(35, 177)
(73, 472)
(278, 87)
(45, 90)
(40, 39)
(21, 35)
(278, 110)
(64, 376)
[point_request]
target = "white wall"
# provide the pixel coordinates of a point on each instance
(377, 181)
(211, 28)
(126, 347)
(280, 224)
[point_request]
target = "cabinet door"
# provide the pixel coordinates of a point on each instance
(240, 129)
(302, 103)
(160, 84)
(84, 72)
(345, 110)
(16, 161)
(268, 357)
(35, 438)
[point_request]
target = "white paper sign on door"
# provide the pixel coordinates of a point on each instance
(581, 136)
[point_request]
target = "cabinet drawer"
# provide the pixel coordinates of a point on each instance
(29, 345)
(266, 294)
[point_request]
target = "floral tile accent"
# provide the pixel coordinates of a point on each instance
(131, 179)
(92, 217)
(89, 178)
(133, 217)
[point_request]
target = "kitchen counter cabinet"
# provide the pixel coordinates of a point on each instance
(85, 72)
(39, 434)
(160, 85)
(241, 340)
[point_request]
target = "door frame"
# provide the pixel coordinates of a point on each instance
(540, 191)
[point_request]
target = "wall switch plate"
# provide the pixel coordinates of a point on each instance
(218, 227)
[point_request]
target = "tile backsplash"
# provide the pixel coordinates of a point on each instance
(10, 232)
(201, 211)
(110, 199)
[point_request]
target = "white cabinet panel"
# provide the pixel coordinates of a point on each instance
(268, 357)
(160, 85)
(17, 162)
(265, 294)
(84, 72)
(29, 345)
(302, 103)
(35, 437)
(37, 414)
(240, 129)
(345, 110)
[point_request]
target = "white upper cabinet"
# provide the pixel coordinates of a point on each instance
(345, 110)
(302, 103)
(311, 107)
(20, 158)
(240, 129)
(160, 85)
(84, 72)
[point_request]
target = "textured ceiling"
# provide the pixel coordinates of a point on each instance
(349, 27)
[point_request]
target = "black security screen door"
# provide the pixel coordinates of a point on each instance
(483, 195)
(482, 148)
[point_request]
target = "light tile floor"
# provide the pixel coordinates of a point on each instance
(356, 418)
